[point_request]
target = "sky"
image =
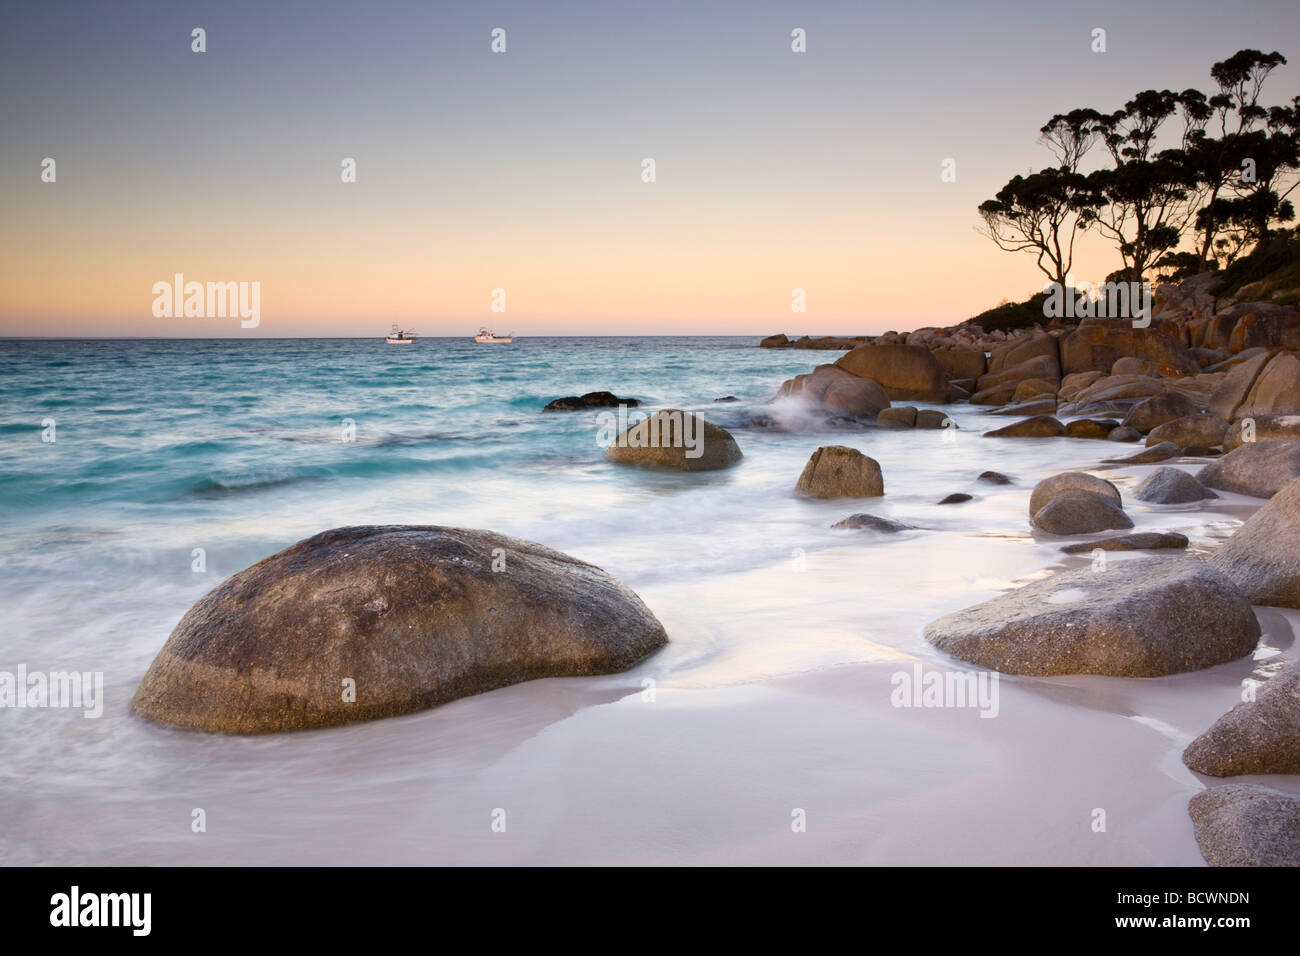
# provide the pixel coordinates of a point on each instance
(522, 171)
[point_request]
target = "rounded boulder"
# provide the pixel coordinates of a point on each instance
(366, 622)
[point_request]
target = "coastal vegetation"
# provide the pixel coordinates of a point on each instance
(1221, 184)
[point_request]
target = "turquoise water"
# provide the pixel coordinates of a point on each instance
(178, 463)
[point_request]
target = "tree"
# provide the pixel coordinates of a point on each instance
(1227, 175)
(1147, 192)
(1229, 199)
(1042, 213)
(1070, 136)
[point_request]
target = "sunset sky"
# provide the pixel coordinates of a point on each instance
(522, 170)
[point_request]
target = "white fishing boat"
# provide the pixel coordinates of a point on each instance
(401, 336)
(487, 335)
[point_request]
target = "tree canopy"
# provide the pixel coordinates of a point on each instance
(1214, 170)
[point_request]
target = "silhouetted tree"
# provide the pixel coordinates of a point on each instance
(1042, 213)
(1228, 179)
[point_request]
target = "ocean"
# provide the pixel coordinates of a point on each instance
(135, 475)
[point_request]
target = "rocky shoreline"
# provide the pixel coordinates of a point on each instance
(418, 616)
(1206, 380)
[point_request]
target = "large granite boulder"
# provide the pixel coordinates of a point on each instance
(1204, 431)
(1263, 556)
(1148, 617)
(1049, 488)
(1041, 368)
(1080, 512)
(1076, 382)
(1098, 343)
(995, 395)
(1236, 385)
(1158, 410)
(1261, 428)
(829, 386)
(1256, 736)
(1260, 469)
(907, 372)
(1034, 388)
(677, 440)
(1276, 391)
(1171, 486)
(1113, 395)
(1242, 824)
(1044, 367)
(405, 617)
(1264, 325)
(899, 416)
(960, 362)
(835, 471)
(1023, 348)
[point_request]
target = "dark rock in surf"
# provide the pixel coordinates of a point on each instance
(578, 403)
(1141, 541)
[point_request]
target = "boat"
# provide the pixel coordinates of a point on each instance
(487, 335)
(401, 336)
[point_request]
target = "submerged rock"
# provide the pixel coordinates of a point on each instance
(1141, 541)
(994, 478)
(1171, 486)
(956, 498)
(678, 440)
(1040, 426)
(866, 522)
(1263, 556)
(1153, 616)
(577, 403)
(1256, 736)
(414, 616)
(1241, 824)
(835, 471)
(1161, 452)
